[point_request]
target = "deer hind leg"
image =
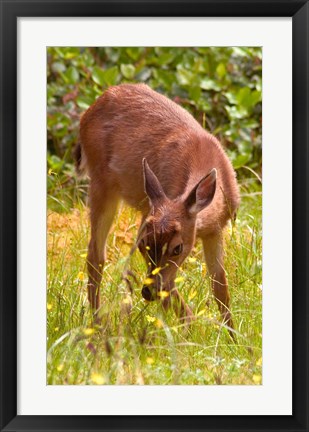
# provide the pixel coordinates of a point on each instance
(103, 207)
(213, 251)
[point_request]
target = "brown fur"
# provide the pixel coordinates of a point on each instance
(131, 122)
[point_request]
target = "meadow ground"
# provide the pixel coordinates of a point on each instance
(147, 346)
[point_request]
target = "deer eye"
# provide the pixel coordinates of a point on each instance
(178, 249)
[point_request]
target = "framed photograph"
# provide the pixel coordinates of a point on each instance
(153, 215)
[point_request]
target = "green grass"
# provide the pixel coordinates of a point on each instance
(146, 346)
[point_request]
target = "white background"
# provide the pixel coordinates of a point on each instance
(275, 395)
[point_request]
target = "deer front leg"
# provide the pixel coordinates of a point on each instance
(95, 263)
(213, 250)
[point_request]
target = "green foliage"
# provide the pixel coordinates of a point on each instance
(63, 189)
(221, 87)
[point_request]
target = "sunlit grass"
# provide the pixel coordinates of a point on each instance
(137, 342)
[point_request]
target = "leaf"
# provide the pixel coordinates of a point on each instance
(235, 112)
(240, 51)
(250, 123)
(208, 84)
(113, 54)
(195, 93)
(231, 97)
(67, 52)
(248, 98)
(58, 67)
(256, 97)
(84, 102)
(134, 52)
(105, 77)
(241, 160)
(245, 147)
(111, 75)
(127, 70)
(221, 70)
(243, 96)
(144, 74)
(164, 55)
(71, 52)
(72, 75)
(98, 75)
(164, 77)
(184, 76)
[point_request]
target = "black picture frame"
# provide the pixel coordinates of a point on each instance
(10, 11)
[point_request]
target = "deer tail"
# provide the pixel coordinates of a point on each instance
(80, 160)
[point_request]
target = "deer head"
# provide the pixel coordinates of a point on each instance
(168, 233)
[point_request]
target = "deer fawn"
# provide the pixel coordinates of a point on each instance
(138, 145)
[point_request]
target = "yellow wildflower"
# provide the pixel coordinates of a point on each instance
(81, 276)
(156, 271)
(192, 294)
(163, 294)
(257, 379)
(148, 281)
(150, 318)
(192, 259)
(83, 255)
(60, 368)
(159, 323)
(147, 247)
(149, 360)
(97, 378)
(259, 362)
(49, 306)
(179, 279)
(88, 331)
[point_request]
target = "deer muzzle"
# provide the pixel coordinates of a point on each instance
(149, 293)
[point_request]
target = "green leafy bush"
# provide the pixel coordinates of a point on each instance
(221, 87)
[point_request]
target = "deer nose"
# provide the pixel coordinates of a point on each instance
(148, 293)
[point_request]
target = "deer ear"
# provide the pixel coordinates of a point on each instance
(152, 185)
(202, 194)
